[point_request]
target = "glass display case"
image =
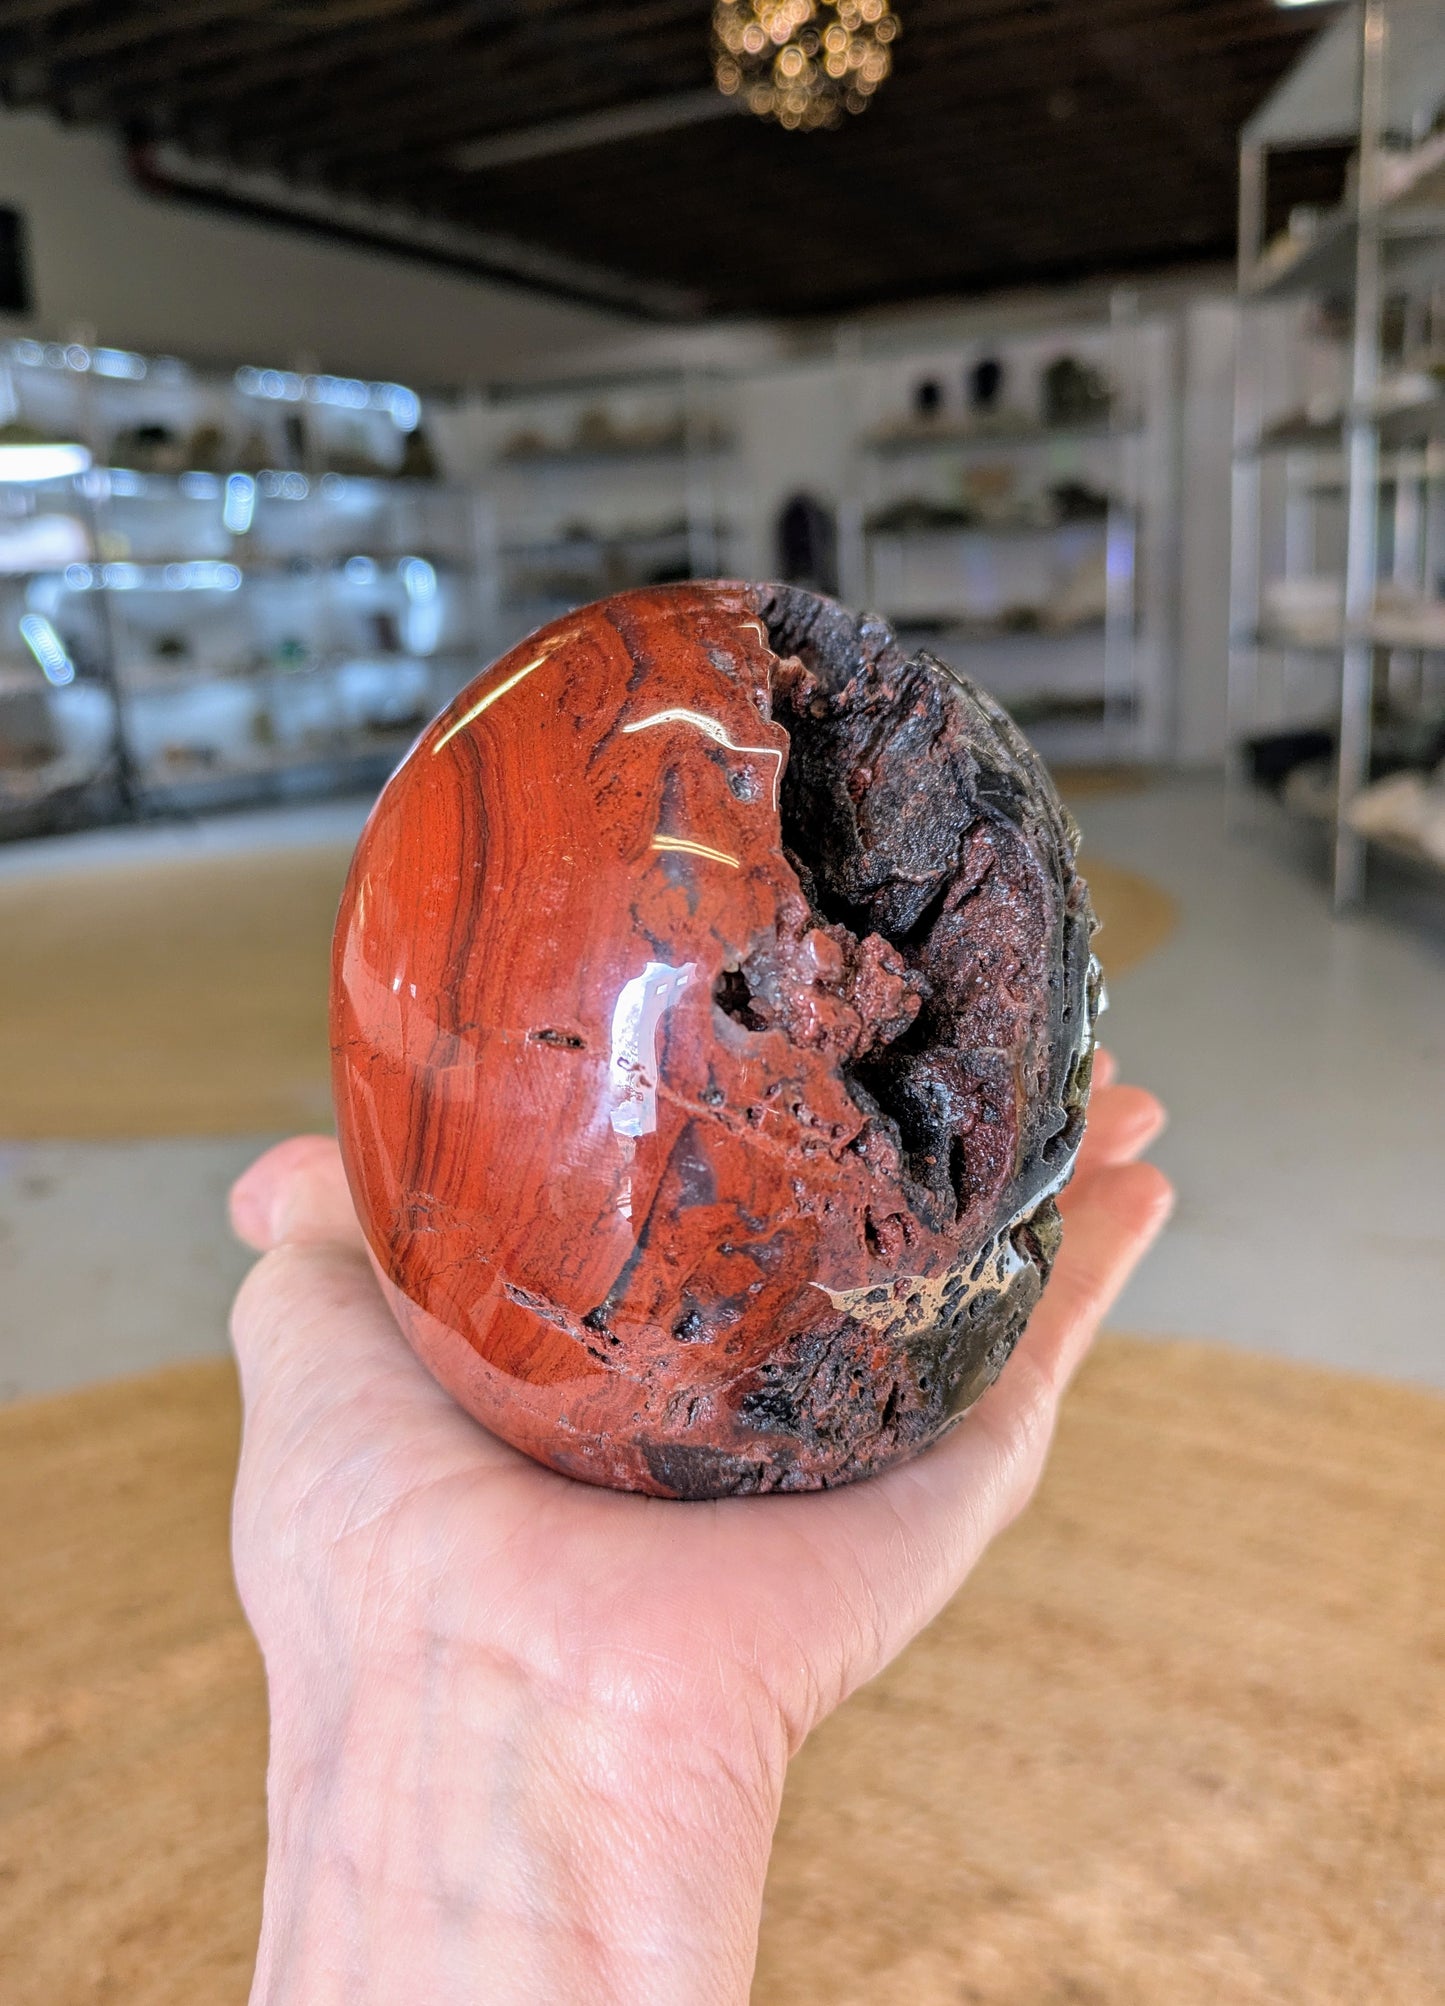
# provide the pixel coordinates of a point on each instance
(217, 587)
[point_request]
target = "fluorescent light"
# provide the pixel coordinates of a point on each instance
(42, 463)
(240, 503)
(421, 623)
(1303, 3)
(418, 578)
(118, 362)
(48, 649)
(403, 404)
(347, 393)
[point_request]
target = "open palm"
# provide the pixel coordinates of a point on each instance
(373, 1516)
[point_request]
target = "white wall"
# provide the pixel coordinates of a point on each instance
(140, 271)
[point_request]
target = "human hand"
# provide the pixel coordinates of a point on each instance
(529, 1737)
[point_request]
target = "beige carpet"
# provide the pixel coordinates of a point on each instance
(189, 998)
(1079, 782)
(1180, 1742)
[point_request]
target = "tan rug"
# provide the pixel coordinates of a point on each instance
(1078, 782)
(1180, 1742)
(189, 998)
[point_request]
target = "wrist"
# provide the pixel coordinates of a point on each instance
(441, 1830)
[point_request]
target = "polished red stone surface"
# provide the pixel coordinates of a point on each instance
(705, 1146)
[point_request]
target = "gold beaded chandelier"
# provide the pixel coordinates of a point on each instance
(805, 63)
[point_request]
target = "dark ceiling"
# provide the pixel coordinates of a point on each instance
(1017, 140)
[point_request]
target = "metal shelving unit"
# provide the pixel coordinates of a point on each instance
(1030, 545)
(1050, 580)
(1338, 577)
(218, 587)
(608, 482)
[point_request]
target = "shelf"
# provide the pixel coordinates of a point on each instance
(949, 627)
(1398, 419)
(1427, 635)
(562, 546)
(1298, 435)
(220, 574)
(1422, 628)
(1325, 261)
(25, 787)
(344, 765)
(1292, 640)
(1376, 262)
(610, 456)
(972, 439)
(1422, 419)
(145, 680)
(1320, 816)
(242, 719)
(114, 483)
(1417, 176)
(1394, 467)
(1096, 525)
(1404, 849)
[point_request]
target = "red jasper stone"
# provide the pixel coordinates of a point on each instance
(712, 1019)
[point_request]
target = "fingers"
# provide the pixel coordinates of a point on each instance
(1122, 1122)
(305, 1307)
(327, 1379)
(923, 1526)
(295, 1193)
(1106, 1068)
(1115, 1217)
(335, 1409)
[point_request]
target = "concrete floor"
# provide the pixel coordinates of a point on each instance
(1303, 1062)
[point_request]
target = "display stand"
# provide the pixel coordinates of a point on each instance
(1338, 575)
(607, 482)
(1012, 508)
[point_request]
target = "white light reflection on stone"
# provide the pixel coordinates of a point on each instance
(635, 1019)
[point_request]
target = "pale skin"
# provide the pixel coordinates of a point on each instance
(528, 1738)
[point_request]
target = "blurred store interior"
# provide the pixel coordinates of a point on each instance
(336, 360)
(1101, 349)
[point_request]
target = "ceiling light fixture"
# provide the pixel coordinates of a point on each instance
(805, 63)
(41, 461)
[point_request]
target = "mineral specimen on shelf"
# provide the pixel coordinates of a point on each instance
(713, 1020)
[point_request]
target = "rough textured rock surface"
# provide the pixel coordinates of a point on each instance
(713, 1019)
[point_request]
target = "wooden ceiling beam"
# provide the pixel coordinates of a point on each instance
(269, 51)
(482, 95)
(122, 28)
(1017, 137)
(374, 76)
(21, 13)
(436, 121)
(98, 85)
(433, 107)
